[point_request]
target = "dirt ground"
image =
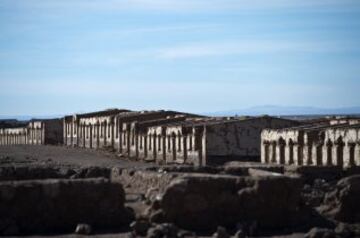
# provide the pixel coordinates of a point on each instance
(61, 156)
(24, 155)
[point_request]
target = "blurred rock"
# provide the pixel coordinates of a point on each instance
(83, 229)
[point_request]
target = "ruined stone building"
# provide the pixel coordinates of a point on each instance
(332, 143)
(113, 128)
(158, 136)
(91, 130)
(203, 141)
(36, 132)
(13, 136)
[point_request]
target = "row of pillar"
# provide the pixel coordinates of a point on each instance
(329, 154)
(130, 142)
(90, 135)
(31, 136)
(173, 148)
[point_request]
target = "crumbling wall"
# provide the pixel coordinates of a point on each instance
(240, 139)
(53, 131)
(202, 202)
(41, 206)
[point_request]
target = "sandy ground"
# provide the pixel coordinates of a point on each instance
(61, 155)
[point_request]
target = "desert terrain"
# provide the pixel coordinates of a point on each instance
(237, 199)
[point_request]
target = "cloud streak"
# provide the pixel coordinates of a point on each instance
(243, 47)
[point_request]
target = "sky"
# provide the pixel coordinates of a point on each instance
(71, 56)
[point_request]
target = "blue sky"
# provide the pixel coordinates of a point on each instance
(192, 55)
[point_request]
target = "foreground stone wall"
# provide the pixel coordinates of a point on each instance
(202, 202)
(342, 203)
(56, 205)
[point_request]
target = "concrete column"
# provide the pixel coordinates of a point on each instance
(357, 154)
(204, 149)
(270, 153)
(334, 155)
(31, 136)
(287, 154)
(42, 133)
(348, 153)
(65, 132)
(277, 154)
(72, 133)
(296, 154)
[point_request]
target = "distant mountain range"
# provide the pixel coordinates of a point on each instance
(28, 117)
(287, 111)
(272, 110)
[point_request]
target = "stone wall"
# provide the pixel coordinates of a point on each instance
(203, 202)
(43, 206)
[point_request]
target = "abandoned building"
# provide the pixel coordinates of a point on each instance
(332, 143)
(158, 136)
(91, 130)
(35, 132)
(113, 128)
(13, 136)
(203, 141)
(170, 136)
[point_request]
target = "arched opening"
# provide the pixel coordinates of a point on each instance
(273, 156)
(154, 145)
(340, 152)
(159, 139)
(173, 145)
(282, 144)
(179, 141)
(105, 132)
(291, 151)
(319, 154)
(351, 154)
(266, 146)
(190, 142)
(309, 154)
(133, 136)
(329, 146)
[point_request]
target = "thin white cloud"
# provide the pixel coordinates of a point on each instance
(245, 47)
